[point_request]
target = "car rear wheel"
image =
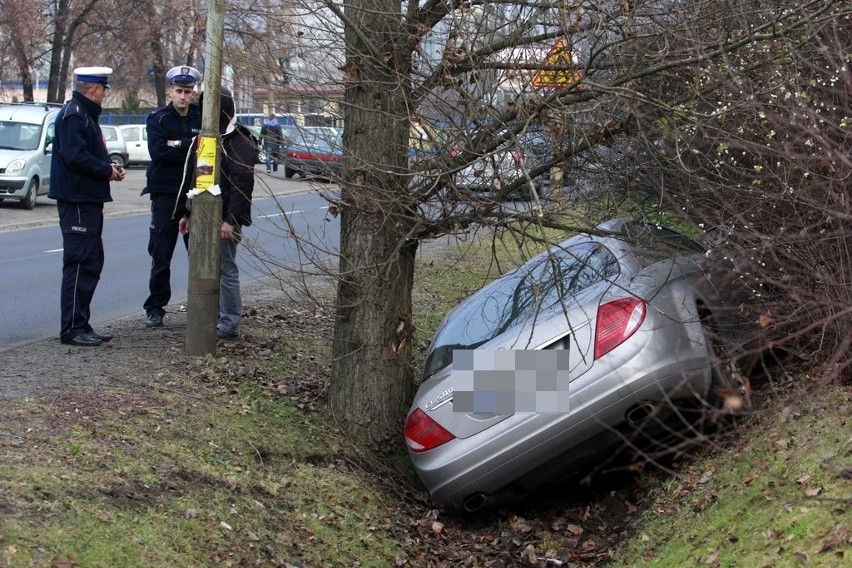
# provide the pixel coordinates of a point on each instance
(288, 172)
(118, 160)
(29, 200)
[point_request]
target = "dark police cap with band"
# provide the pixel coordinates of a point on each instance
(184, 76)
(94, 75)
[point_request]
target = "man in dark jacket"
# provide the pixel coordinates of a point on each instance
(270, 136)
(170, 133)
(81, 172)
(236, 182)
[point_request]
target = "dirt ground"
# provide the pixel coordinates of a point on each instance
(136, 355)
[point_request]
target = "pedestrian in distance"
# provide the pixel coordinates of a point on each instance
(236, 183)
(170, 133)
(81, 172)
(270, 136)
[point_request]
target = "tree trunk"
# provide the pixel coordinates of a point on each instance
(371, 383)
(155, 43)
(62, 46)
(23, 63)
(57, 42)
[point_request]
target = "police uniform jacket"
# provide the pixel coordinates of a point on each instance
(80, 165)
(236, 177)
(167, 162)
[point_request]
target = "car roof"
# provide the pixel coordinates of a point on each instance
(31, 113)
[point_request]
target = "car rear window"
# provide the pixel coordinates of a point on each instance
(519, 296)
(652, 243)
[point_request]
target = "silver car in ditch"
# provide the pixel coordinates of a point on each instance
(541, 374)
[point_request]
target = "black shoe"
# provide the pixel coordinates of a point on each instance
(102, 336)
(83, 339)
(226, 335)
(154, 320)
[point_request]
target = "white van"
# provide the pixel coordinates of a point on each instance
(26, 142)
(136, 142)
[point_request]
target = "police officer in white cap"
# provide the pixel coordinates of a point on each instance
(170, 133)
(81, 173)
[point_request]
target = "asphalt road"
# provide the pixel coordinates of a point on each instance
(127, 199)
(31, 247)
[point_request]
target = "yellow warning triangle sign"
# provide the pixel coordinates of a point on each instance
(557, 72)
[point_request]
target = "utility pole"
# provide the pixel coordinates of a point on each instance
(204, 240)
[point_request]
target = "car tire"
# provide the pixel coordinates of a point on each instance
(29, 200)
(728, 388)
(118, 160)
(289, 173)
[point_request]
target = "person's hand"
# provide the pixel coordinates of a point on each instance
(183, 225)
(117, 174)
(227, 231)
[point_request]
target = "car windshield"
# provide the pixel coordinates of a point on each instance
(19, 135)
(519, 296)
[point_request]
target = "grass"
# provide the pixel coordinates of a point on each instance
(232, 461)
(246, 479)
(779, 497)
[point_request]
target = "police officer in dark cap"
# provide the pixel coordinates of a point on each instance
(170, 133)
(81, 173)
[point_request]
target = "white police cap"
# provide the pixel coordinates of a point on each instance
(183, 75)
(94, 75)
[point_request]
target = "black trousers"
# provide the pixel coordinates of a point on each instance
(161, 246)
(82, 261)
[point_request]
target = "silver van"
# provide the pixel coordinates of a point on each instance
(26, 142)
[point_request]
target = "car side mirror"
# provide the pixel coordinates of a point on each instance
(715, 236)
(48, 148)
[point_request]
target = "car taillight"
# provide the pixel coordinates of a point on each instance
(617, 320)
(422, 433)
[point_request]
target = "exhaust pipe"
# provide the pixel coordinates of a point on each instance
(475, 502)
(639, 413)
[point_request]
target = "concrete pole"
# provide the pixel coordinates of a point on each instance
(204, 240)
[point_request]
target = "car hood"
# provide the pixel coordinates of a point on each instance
(7, 156)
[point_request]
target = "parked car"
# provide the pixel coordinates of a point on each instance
(26, 143)
(513, 159)
(543, 373)
(328, 133)
(116, 146)
(311, 154)
(136, 142)
(288, 131)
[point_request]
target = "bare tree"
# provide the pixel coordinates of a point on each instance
(763, 146)
(642, 64)
(67, 20)
(25, 30)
